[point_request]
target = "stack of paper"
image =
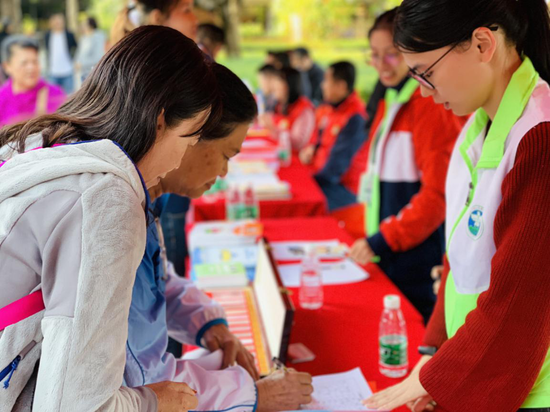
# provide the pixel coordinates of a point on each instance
(245, 254)
(297, 250)
(333, 273)
(222, 233)
(219, 275)
(263, 178)
(339, 392)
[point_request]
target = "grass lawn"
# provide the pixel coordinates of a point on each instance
(253, 52)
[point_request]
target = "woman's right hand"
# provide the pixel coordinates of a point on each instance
(306, 154)
(284, 391)
(437, 272)
(424, 404)
(174, 396)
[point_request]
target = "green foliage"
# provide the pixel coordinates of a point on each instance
(319, 18)
(105, 11)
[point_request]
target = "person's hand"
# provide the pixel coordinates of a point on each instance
(284, 391)
(361, 252)
(219, 337)
(426, 403)
(306, 154)
(409, 392)
(437, 272)
(266, 120)
(174, 397)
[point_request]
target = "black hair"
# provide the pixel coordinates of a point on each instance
(426, 25)
(268, 70)
(151, 70)
(6, 23)
(92, 23)
(344, 71)
(384, 22)
(213, 33)
(17, 40)
(293, 79)
(283, 59)
(301, 51)
(239, 105)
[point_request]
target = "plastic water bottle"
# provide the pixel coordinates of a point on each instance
(394, 361)
(311, 282)
(232, 203)
(285, 148)
(251, 206)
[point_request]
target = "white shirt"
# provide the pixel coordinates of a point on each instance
(61, 64)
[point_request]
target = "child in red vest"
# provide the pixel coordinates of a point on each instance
(294, 112)
(341, 125)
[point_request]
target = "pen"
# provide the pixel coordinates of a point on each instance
(278, 365)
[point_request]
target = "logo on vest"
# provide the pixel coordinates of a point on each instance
(335, 130)
(475, 223)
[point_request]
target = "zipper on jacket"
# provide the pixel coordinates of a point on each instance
(12, 367)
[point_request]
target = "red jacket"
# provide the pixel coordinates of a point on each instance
(427, 134)
(330, 121)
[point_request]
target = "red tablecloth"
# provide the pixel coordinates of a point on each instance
(307, 199)
(343, 334)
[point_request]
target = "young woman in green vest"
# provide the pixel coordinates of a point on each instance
(490, 331)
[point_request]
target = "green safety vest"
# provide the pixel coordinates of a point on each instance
(470, 224)
(369, 189)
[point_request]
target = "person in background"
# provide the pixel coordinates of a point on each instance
(280, 60)
(165, 304)
(7, 29)
(489, 337)
(60, 49)
(25, 94)
(270, 57)
(341, 132)
(294, 112)
(176, 14)
(266, 100)
(210, 39)
(403, 189)
(301, 60)
(91, 48)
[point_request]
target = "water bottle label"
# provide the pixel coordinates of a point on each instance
(394, 354)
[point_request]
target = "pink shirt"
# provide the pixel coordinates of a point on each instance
(22, 106)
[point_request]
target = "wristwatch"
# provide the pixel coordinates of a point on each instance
(427, 350)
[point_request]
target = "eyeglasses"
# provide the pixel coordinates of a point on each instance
(391, 59)
(421, 77)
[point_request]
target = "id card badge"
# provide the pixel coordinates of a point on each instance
(365, 188)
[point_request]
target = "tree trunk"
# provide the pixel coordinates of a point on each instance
(72, 15)
(230, 15)
(268, 20)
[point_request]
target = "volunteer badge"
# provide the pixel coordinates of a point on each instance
(475, 223)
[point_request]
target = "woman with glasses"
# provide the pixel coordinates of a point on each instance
(491, 327)
(408, 151)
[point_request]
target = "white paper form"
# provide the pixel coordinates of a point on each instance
(333, 273)
(296, 250)
(339, 392)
